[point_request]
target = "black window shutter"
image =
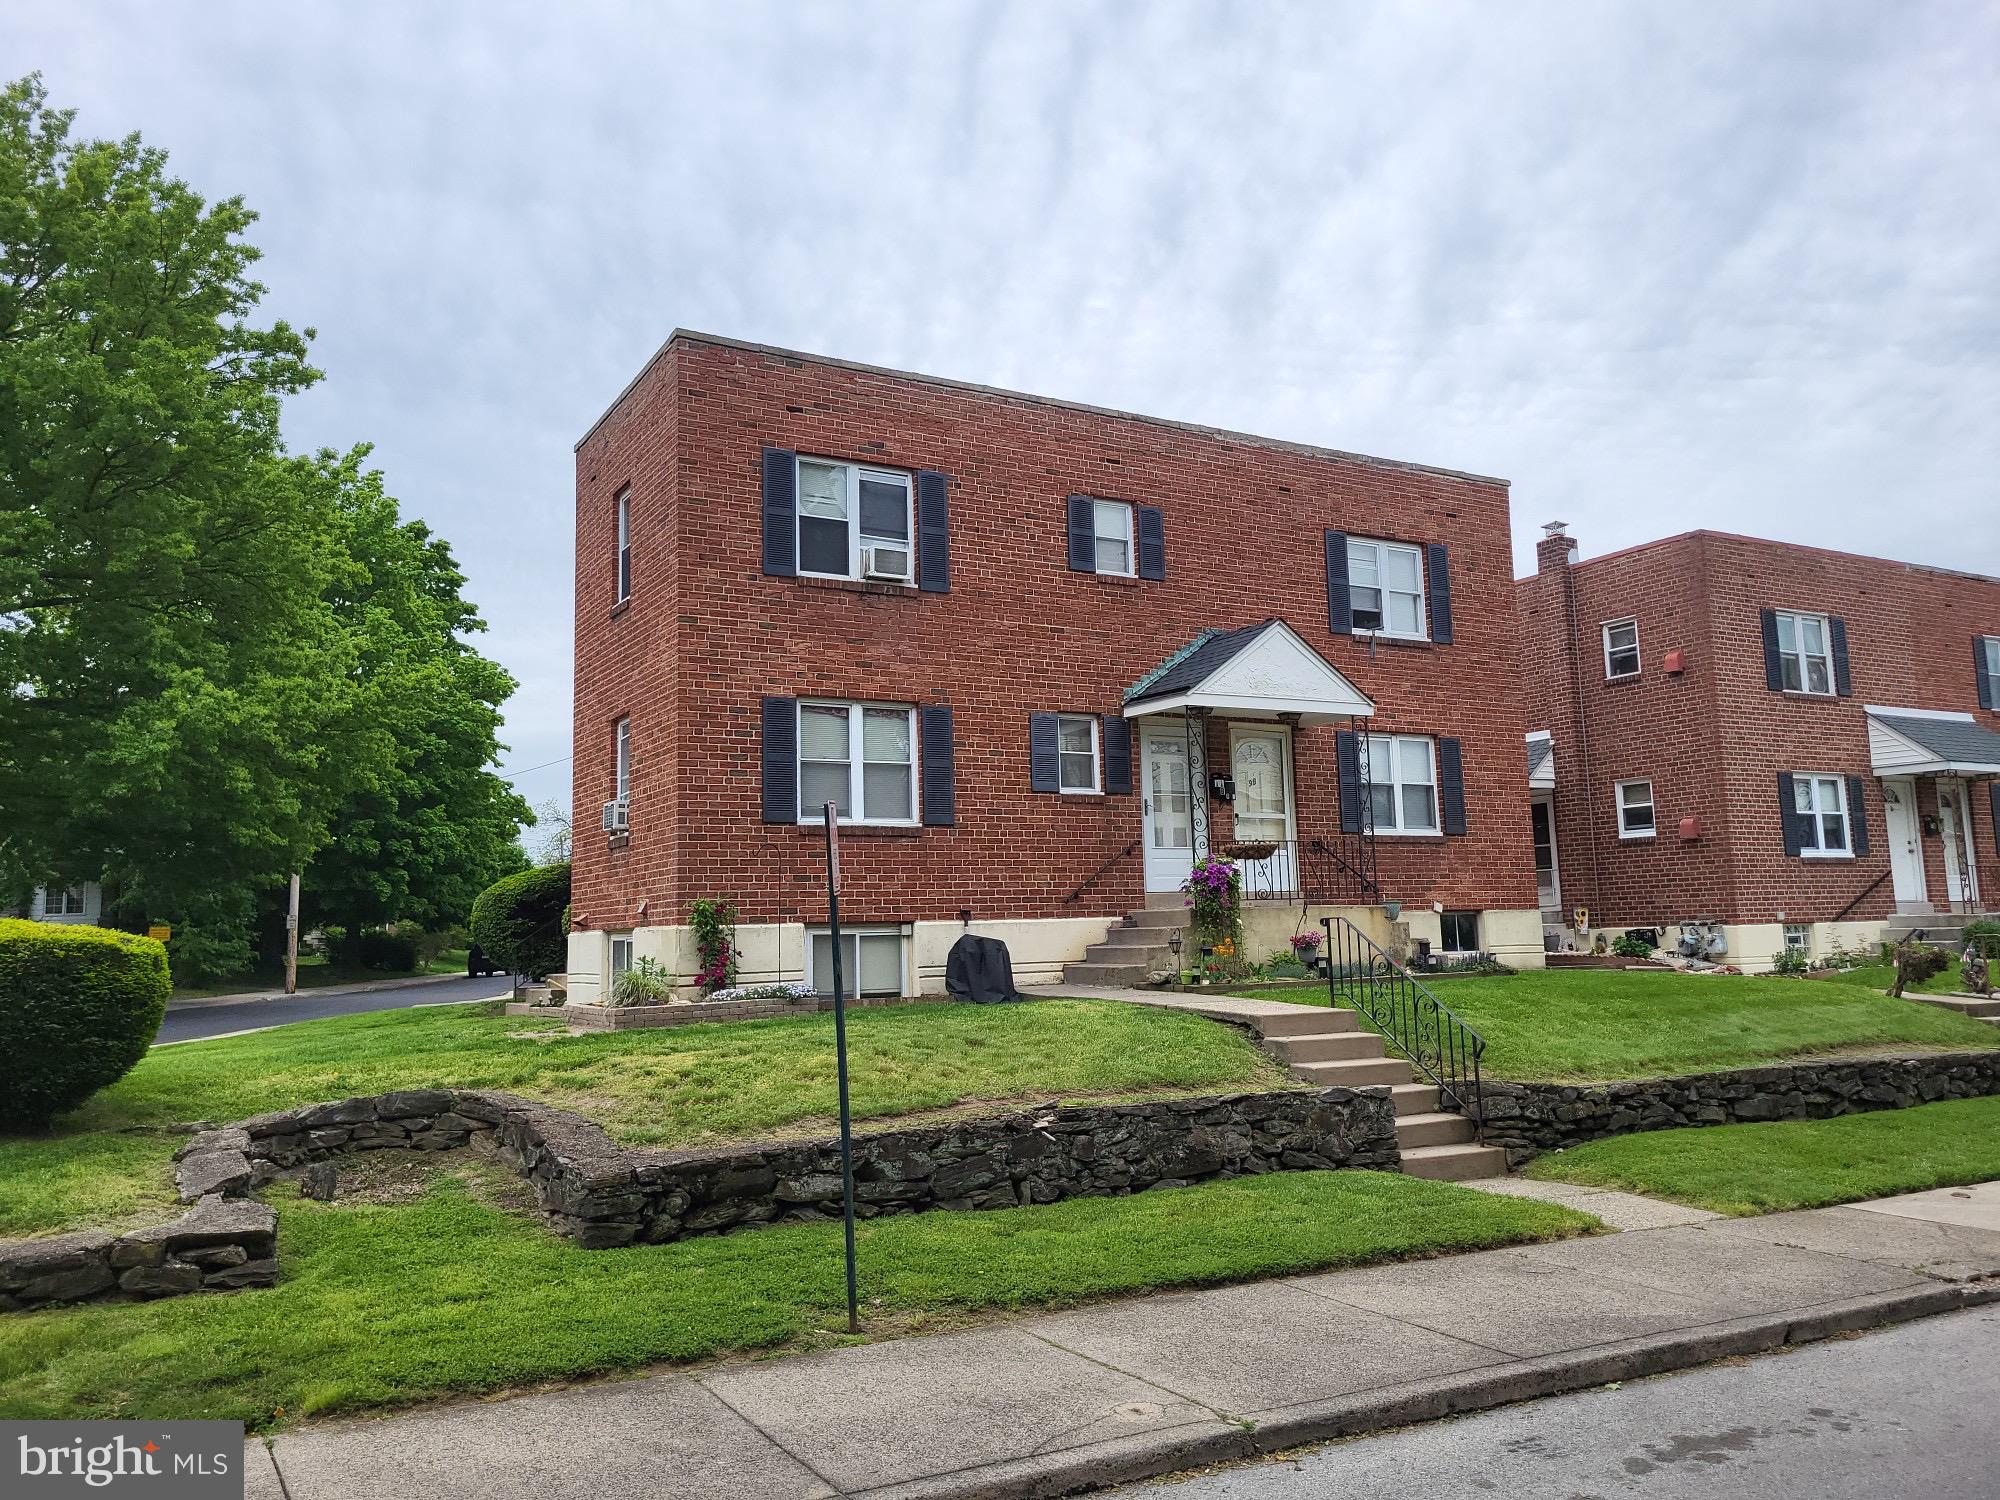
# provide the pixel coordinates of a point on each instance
(1451, 786)
(1152, 542)
(1857, 814)
(933, 532)
(1993, 796)
(1044, 760)
(781, 760)
(940, 800)
(1347, 757)
(1843, 681)
(1788, 812)
(781, 513)
(1439, 594)
(1774, 667)
(1989, 690)
(1339, 603)
(1117, 755)
(1082, 534)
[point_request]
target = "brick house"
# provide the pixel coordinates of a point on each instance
(1042, 656)
(1799, 745)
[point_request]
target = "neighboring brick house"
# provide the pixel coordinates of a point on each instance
(983, 622)
(1795, 743)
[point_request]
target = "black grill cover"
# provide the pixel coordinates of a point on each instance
(980, 970)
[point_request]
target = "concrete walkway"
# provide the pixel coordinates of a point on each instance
(1129, 1389)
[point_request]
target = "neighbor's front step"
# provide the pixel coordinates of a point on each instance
(1117, 976)
(1135, 937)
(1353, 1075)
(1966, 1005)
(1436, 1128)
(1161, 917)
(1454, 1163)
(1414, 1099)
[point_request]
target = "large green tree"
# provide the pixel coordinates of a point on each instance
(218, 661)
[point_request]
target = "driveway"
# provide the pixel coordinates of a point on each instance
(190, 1020)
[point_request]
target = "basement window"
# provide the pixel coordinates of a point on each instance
(871, 961)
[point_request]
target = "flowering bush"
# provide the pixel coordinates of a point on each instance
(714, 924)
(793, 992)
(1214, 890)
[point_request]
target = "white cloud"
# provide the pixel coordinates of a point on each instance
(1663, 266)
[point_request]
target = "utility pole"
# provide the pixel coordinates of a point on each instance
(292, 940)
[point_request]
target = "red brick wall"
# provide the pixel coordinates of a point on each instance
(1017, 633)
(1714, 739)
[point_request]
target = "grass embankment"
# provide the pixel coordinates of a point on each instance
(1755, 1169)
(107, 1165)
(449, 1294)
(1600, 1024)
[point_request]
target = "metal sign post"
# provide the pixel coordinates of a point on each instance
(840, 1054)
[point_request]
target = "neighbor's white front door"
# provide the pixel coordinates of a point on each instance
(1261, 763)
(1169, 817)
(1961, 880)
(1906, 844)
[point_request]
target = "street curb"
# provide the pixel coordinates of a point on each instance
(1128, 1460)
(330, 992)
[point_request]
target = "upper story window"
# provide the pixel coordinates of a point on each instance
(1805, 653)
(1111, 522)
(624, 544)
(1385, 583)
(1635, 810)
(1076, 752)
(621, 740)
(861, 757)
(1402, 783)
(854, 522)
(1821, 805)
(1986, 651)
(67, 902)
(1621, 648)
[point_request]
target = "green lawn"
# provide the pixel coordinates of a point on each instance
(1879, 977)
(108, 1164)
(448, 1294)
(1755, 1169)
(1599, 1024)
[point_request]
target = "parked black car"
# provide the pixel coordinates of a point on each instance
(478, 965)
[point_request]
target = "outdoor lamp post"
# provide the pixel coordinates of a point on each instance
(1174, 947)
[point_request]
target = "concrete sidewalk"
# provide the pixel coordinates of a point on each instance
(1126, 1390)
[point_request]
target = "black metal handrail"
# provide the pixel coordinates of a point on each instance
(1408, 1016)
(1345, 871)
(1102, 870)
(1866, 891)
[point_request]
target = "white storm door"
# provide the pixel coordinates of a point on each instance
(1906, 846)
(1169, 816)
(1261, 764)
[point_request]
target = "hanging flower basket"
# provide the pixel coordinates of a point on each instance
(1250, 849)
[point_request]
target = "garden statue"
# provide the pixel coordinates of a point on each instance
(1976, 970)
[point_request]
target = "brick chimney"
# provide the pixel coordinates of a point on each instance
(1556, 549)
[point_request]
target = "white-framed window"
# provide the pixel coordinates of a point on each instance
(1111, 523)
(1805, 652)
(62, 901)
(1798, 938)
(1635, 810)
(859, 756)
(621, 956)
(621, 755)
(1990, 644)
(1621, 648)
(1402, 783)
(1385, 588)
(624, 544)
(1821, 803)
(1076, 750)
(871, 961)
(854, 521)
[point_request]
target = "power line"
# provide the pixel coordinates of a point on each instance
(542, 767)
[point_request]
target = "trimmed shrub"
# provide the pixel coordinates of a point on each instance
(518, 920)
(78, 1008)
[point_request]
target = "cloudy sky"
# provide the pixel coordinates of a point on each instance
(1661, 265)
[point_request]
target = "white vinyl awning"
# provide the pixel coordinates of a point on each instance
(1261, 671)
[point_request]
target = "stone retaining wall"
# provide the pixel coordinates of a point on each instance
(218, 1245)
(1529, 1118)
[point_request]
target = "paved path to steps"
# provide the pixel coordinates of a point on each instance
(1331, 1045)
(1125, 1390)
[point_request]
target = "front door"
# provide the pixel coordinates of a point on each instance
(1961, 883)
(1261, 763)
(1906, 844)
(1169, 817)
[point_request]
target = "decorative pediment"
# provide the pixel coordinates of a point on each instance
(1260, 671)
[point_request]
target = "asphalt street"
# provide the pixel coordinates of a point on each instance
(1905, 1411)
(224, 1017)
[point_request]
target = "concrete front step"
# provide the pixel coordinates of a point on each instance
(1414, 1099)
(1116, 976)
(1332, 1046)
(1302, 1020)
(1434, 1128)
(1161, 917)
(1454, 1163)
(1965, 1005)
(1136, 937)
(1353, 1075)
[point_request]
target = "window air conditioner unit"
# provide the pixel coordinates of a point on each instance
(892, 563)
(616, 816)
